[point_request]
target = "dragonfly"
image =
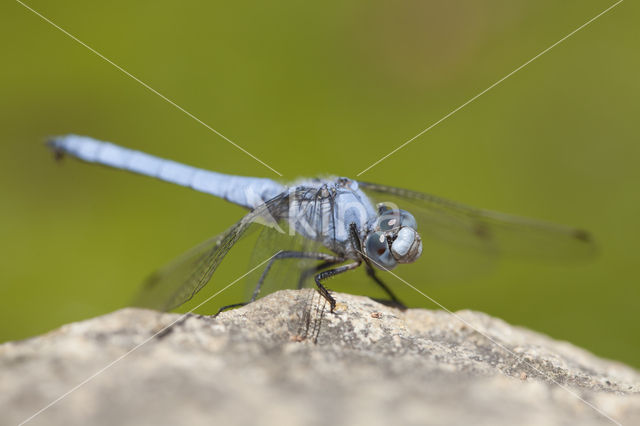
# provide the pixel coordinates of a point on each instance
(327, 226)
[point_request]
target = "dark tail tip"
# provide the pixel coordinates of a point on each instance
(54, 145)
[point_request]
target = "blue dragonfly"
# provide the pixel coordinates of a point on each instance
(329, 226)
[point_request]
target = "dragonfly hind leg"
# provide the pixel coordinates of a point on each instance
(327, 258)
(233, 305)
(314, 270)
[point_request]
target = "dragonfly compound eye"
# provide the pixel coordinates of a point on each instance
(394, 219)
(377, 249)
(408, 220)
(407, 247)
(389, 221)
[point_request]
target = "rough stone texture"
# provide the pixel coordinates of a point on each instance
(285, 360)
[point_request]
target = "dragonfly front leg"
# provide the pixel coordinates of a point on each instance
(355, 240)
(394, 299)
(328, 274)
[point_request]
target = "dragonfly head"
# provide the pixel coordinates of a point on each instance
(394, 239)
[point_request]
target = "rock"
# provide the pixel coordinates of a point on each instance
(286, 360)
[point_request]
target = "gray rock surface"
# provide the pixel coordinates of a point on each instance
(285, 360)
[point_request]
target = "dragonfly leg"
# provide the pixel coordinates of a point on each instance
(328, 274)
(394, 299)
(311, 271)
(370, 271)
(327, 258)
(233, 305)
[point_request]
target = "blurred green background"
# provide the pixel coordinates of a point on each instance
(312, 89)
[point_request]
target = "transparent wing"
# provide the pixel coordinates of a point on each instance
(293, 273)
(177, 283)
(484, 230)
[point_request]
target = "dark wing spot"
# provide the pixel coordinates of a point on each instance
(582, 235)
(481, 230)
(151, 281)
